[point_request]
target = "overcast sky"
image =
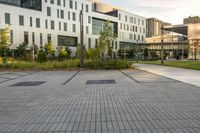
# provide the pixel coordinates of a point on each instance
(172, 11)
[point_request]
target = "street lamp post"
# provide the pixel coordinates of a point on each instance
(162, 40)
(81, 39)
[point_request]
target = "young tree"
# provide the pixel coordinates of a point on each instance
(146, 53)
(63, 54)
(106, 38)
(93, 53)
(49, 49)
(21, 50)
(4, 42)
(42, 55)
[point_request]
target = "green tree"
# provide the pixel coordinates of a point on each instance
(146, 53)
(93, 53)
(49, 50)
(69, 52)
(62, 54)
(78, 52)
(4, 42)
(21, 50)
(106, 38)
(42, 55)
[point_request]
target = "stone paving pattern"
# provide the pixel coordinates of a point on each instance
(139, 102)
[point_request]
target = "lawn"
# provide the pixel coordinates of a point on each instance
(195, 65)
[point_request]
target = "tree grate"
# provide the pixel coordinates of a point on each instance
(90, 82)
(29, 83)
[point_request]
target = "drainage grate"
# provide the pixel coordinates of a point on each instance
(89, 82)
(29, 83)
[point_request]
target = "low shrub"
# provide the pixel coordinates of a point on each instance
(107, 64)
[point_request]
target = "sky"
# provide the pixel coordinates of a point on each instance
(172, 11)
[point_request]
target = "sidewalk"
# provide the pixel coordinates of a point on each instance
(184, 75)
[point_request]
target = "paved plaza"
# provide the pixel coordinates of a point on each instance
(128, 101)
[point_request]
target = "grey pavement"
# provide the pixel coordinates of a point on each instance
(184, 75)
(137, 102)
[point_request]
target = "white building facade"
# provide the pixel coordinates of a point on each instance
(40, 21)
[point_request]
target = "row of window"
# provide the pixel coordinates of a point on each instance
(133, 20)
(132, 28)
(132, 36)
(72, 4)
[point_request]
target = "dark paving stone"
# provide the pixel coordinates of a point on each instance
(100, 82)
(29, 83)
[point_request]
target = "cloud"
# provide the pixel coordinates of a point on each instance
(169, 10)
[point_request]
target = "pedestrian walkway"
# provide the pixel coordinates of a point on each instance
(184, 75)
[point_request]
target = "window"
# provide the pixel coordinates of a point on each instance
(68, 15)
(67, 41)
(21, 20)
(75, 5)
(58, 13)
(70, 4)
(46, 24)
(58, 2)
(96, 43)
(7, 18)
(89, 19)
(31, 22)
(74, 16)
(64, 3)
(65, 26)
(52, 25)
(48, 11)
(119, 16)
(87, 30)
(82, 7)
(41, 39)
(59, 25)
(26, 37)
(33, 38)
(37, 23)
(52, 1)
(62, 14)
(74, 28)
(126, 18)
(49, 38)
(116, 45)
(89, 42)
(87, 8)
(11, 36)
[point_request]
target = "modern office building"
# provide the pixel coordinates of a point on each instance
(191, 20)
(153, 27)
(40, 21)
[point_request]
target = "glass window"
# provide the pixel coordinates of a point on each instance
(64, 3)
(46, 24)
(75, 5)
(87, 8)
(26, 37)
(87, 30)
(11, 36)
(74, 16)
(89, 19)
(21, 20)
(65, 26)
(59, 25)
(7, 18)
(70, 4)
(62, 14)
(67, 41)
(31, 22)
(58, 13)
(74, 27)
(52, 1)
(41, 39)
(37, 23)
(89, 42)
(49, 38)
(33, 38)
(68, 15)
(48, 11)
(58, 2)
(52, 25)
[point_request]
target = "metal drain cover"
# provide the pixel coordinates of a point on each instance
(29, 83)
(100, 82)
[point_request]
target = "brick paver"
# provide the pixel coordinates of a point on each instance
(138, 102)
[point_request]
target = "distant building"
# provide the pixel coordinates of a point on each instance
(166, 38)
(191, 20)
(153, 27)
